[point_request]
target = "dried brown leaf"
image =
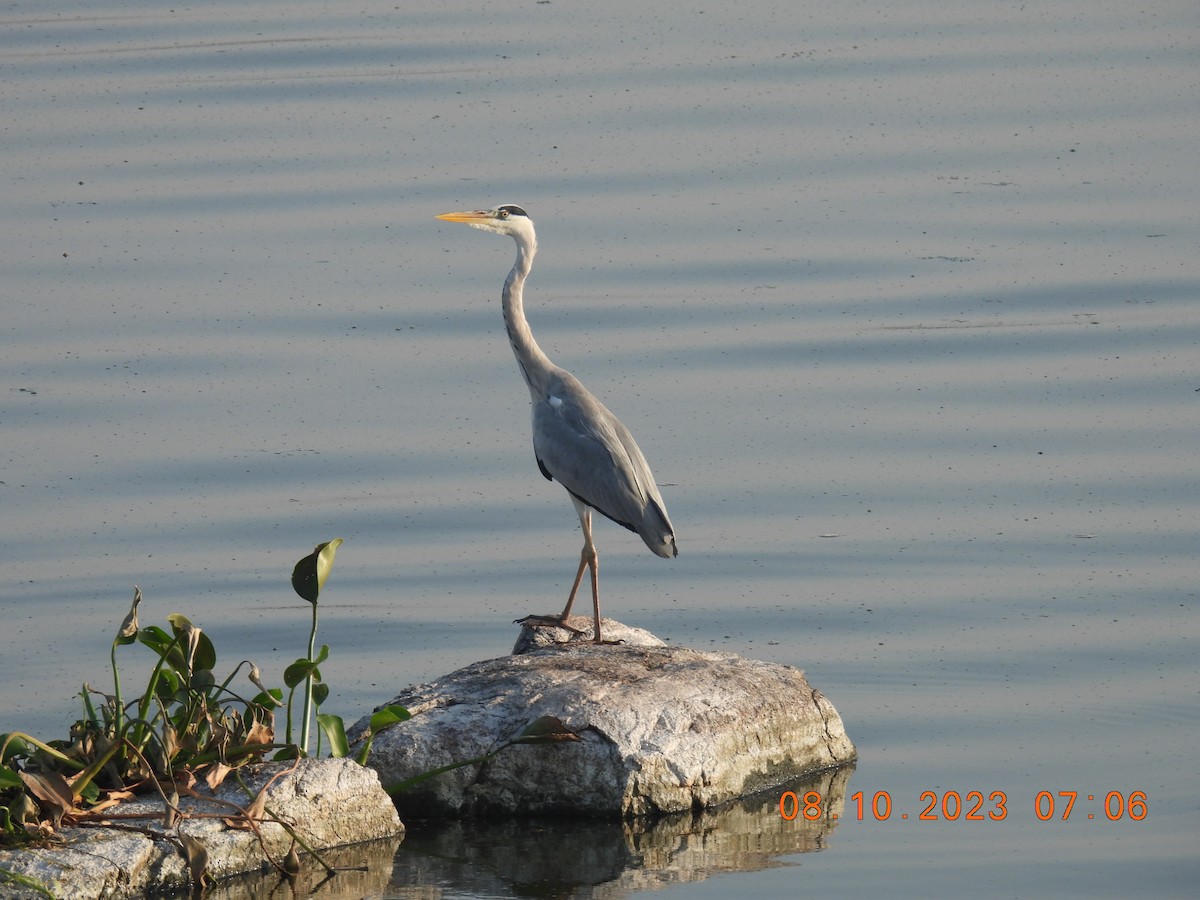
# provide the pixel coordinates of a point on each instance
(257, 810)
(23, 810)
(52, 789)
(291, 862)
(216, 774)
(129, 628)
(171, 812)
(111, 799)
(260, 733)
(196, 855)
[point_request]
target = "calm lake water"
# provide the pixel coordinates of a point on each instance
(901, 301)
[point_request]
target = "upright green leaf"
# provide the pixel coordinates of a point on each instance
(335, 730)
(308, 578)
(197, 646)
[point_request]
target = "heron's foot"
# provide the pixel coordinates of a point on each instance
(584, 638)
(550, 622)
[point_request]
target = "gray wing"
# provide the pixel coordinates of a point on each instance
(580, 444)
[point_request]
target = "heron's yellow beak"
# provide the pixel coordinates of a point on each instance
(477, 215)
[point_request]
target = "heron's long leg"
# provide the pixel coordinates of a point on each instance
(575, 587)
(588, 559)
(595, 567)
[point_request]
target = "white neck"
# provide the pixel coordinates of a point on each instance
(535, 365)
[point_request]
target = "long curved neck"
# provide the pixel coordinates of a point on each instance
(535, 365)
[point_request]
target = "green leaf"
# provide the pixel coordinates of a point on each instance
(168, 685)
(388, 715)
(380, 719)
(155, 638)
(295, 674)
(202, 681)
(335, 730)
(12, 744)
(206, 655)
(308, 577)
(270, 699)
(320, 693)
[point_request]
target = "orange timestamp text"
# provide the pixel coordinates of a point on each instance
(971, 806)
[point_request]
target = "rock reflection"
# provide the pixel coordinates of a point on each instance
(611, 858)
(363, 871)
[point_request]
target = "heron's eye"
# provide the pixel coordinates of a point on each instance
(503, 214)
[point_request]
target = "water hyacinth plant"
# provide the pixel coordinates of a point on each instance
(184, 726)
(308, 578)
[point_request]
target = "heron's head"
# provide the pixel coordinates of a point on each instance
(506, 219)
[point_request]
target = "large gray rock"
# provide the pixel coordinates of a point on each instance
(328, 803)
(660, 730)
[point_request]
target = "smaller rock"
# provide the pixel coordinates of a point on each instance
(327, 802)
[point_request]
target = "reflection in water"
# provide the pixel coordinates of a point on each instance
(611, 858)
(362, 872)
(562, 857)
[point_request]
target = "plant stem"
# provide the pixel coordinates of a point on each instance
(394, 789)
(308, 685)
(119, 712)
(45, 748)
(291, 696)
(89, 709)
(139, 735)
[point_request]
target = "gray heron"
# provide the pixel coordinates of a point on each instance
(576, 440)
